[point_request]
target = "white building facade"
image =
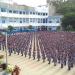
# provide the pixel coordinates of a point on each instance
(21, 16)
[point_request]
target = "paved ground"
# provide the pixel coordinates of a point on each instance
(33, 67)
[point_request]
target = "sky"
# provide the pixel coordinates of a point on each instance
(32, 3)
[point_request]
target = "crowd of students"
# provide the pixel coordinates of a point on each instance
(56, 47)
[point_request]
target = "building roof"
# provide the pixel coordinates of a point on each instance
(15, 6)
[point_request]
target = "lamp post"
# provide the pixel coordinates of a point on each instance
(6, 50)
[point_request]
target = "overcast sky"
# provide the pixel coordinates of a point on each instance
(31, 2)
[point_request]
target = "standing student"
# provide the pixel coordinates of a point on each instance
(34, 54)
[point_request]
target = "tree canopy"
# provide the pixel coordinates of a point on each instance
(68, 22)
(67, 9)
(10, 28)
(64, 7)
(30, 27)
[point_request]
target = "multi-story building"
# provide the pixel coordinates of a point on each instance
(22, 16)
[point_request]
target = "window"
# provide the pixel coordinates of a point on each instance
(43, 14)
(50, 21)
(33, 13)
(44, 21)
(58, 21)
(15, 19)
(34, 19)
(27, 12)
(38, 13)
(20, 12)
(3, 10)
(41, 20)
(31, 19)
(27, 20)
(3, 21)
(23, 19)
(30, 12)
(23, 12)
(10, 19)
(38, 20)
(46, 14)
(10, 11)
(14, 11)
(20, 21)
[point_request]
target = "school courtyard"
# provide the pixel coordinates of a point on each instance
(34, 67)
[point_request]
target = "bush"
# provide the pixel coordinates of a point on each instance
(1, 56)
(1, 62)
(9, 70)
(4, 66)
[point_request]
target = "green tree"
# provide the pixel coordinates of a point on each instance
(59, 28)
(68, 22)
(30, 26)
(0, 33)
(65, 7)
(10, 28)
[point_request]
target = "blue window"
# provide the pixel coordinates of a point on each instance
(44, 21)
(3, 21)
(20, 12)
(46, 14)
(27, 12)
(23, 12)
(50, 21)
(30, 12)
(3, 10)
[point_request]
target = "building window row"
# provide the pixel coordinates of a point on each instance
(29, 20)
(24, 12)
(24, 20)
(54, 21)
